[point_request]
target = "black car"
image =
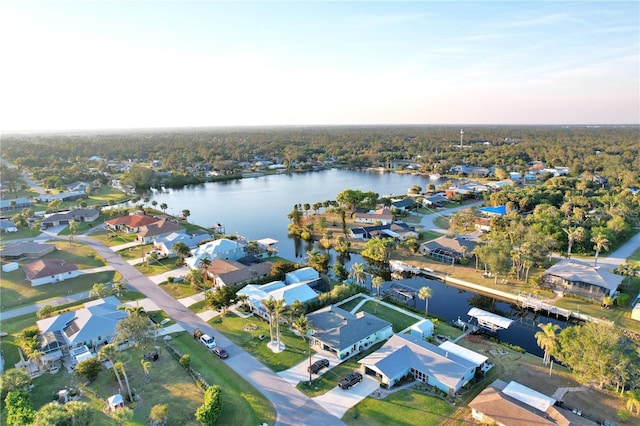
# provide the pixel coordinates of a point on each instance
(352, 379)
(318, 365)
(220, 352)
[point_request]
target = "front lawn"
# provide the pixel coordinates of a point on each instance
(156, 267)
(15, 291)
(245, 333)
(402, 407)
(242, 403)
(178, 290)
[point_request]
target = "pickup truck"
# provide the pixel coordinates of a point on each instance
(318, 365)
(352, 379)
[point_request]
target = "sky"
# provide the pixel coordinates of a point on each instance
(141, 64)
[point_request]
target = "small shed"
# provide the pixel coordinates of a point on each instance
(423, 329)
(9, 267)
(115, 401)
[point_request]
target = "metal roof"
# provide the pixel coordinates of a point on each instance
(488, 318)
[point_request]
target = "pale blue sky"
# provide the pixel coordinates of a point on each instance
(94, 64)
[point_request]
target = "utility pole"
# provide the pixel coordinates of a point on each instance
(461, 137)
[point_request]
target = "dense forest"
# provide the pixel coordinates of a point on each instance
(611, 152)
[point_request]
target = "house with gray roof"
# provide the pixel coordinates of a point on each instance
(7, 225)
(343, 333)
(77, 215)
(164, 244)
(399, 231)
(15, 204)
(25, 249)
(448, 249)
(93, 325)
(581, 279)
(404, 355)
(161, 228)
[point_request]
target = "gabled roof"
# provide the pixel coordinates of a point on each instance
(162, 226)
(6, 224)
(575, 271)
(504, 409)
(341, 329)
(232, 272)
(279, 291)
(474, 357)
(75, 214)
(301, 275)
(190, 241)
(47, 267)
(452, 244)
(382, 213)
(21, 248)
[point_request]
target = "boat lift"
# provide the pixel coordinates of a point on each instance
(489, 321)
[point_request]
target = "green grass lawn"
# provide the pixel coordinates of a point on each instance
(242, 403)
(110, 238)
(178, 290)
(403, 407)
(233, 327)
(15, 291)
(135, 252)
(348, 306)
(7, 237)
(399, 320)
(198, 307)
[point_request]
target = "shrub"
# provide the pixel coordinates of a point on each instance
(45, 311)
(623, 300)
(185, 360)
(88, 369)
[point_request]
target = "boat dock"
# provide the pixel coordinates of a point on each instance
(531, 302)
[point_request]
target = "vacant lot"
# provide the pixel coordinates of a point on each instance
(399, 320)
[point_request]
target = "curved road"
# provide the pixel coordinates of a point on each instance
(292, 406)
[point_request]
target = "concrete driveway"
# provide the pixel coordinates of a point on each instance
(298, 373)
(337, 401)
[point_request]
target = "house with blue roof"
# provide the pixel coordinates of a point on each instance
(222, 248)
(493, 211)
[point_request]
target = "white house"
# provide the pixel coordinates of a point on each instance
(217, 249)
(47, 271)
(164, 244)
(279, 291)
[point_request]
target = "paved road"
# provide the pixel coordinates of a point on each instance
(427, 220)
(292, 406)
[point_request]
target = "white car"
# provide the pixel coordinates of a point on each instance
(208, 341)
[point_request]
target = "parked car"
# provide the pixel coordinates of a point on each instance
(208, 341)
(351, 380)
(220, 352)
(317, 366)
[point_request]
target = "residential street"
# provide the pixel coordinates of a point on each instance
(292, 407)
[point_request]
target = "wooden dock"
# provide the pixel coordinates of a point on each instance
(530, 302)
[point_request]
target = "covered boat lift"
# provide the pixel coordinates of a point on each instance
(488, 320)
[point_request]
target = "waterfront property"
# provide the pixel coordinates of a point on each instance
(279, 291)
(226, 272)
(381, 215)
(397, 230)
(516, 405)
(47, 271)
(448, 249)
(403, 354)
(164, 244)
(581, 279)
(131, 224)
(343, 333)
(222, 248)
(158, 229)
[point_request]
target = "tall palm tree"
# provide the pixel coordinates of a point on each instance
(376, 283)
(425, 293)
(108, 352)
(117, 287)
(182, 250)
(164, 207)
(573, 235)
(278, 312)
(633, 401)
(547, 340)
(269, 305)
(302, 325)
(600, 243)
(358, 273)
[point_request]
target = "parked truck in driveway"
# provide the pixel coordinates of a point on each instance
(351, 380)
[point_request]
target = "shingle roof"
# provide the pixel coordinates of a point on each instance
(47, 267)
(162, 226)
(21, 248)
(132, 221)
(575, 271)
(341, 329)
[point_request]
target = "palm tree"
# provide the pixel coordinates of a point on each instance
(358, 274)
(269, 305)
(164, 207)
(302, 325)
(73, 229)
(376, 283)
(99, 290)
(547, 340)
(185, 214)
(601, 243)
(278, 311)
(108, 352)
(117, 287)
(145, 366)
(182, 250)
(573, 235)
(425, 293)
(633, 401)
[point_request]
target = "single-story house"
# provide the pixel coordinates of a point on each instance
(516, 405)
(403, 354)
(78, 215)
(222, 248)
(164, 244)
(15, 204)
(7, 225)
(470, 170)
(130, 224)
(26, 249)
(448, 249)
(382, 215)
(581, 279)
(229, 272)
(493, 211)
(158, 229)
(482, 224)
(501, 184)
(279, 291)
(47, 271)
(479, 360)
(402, 204)
(302, 275)
(92, 325)
(434, 200)
(397, 230)
(62, 196)
(468, 189)
(343, 333)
